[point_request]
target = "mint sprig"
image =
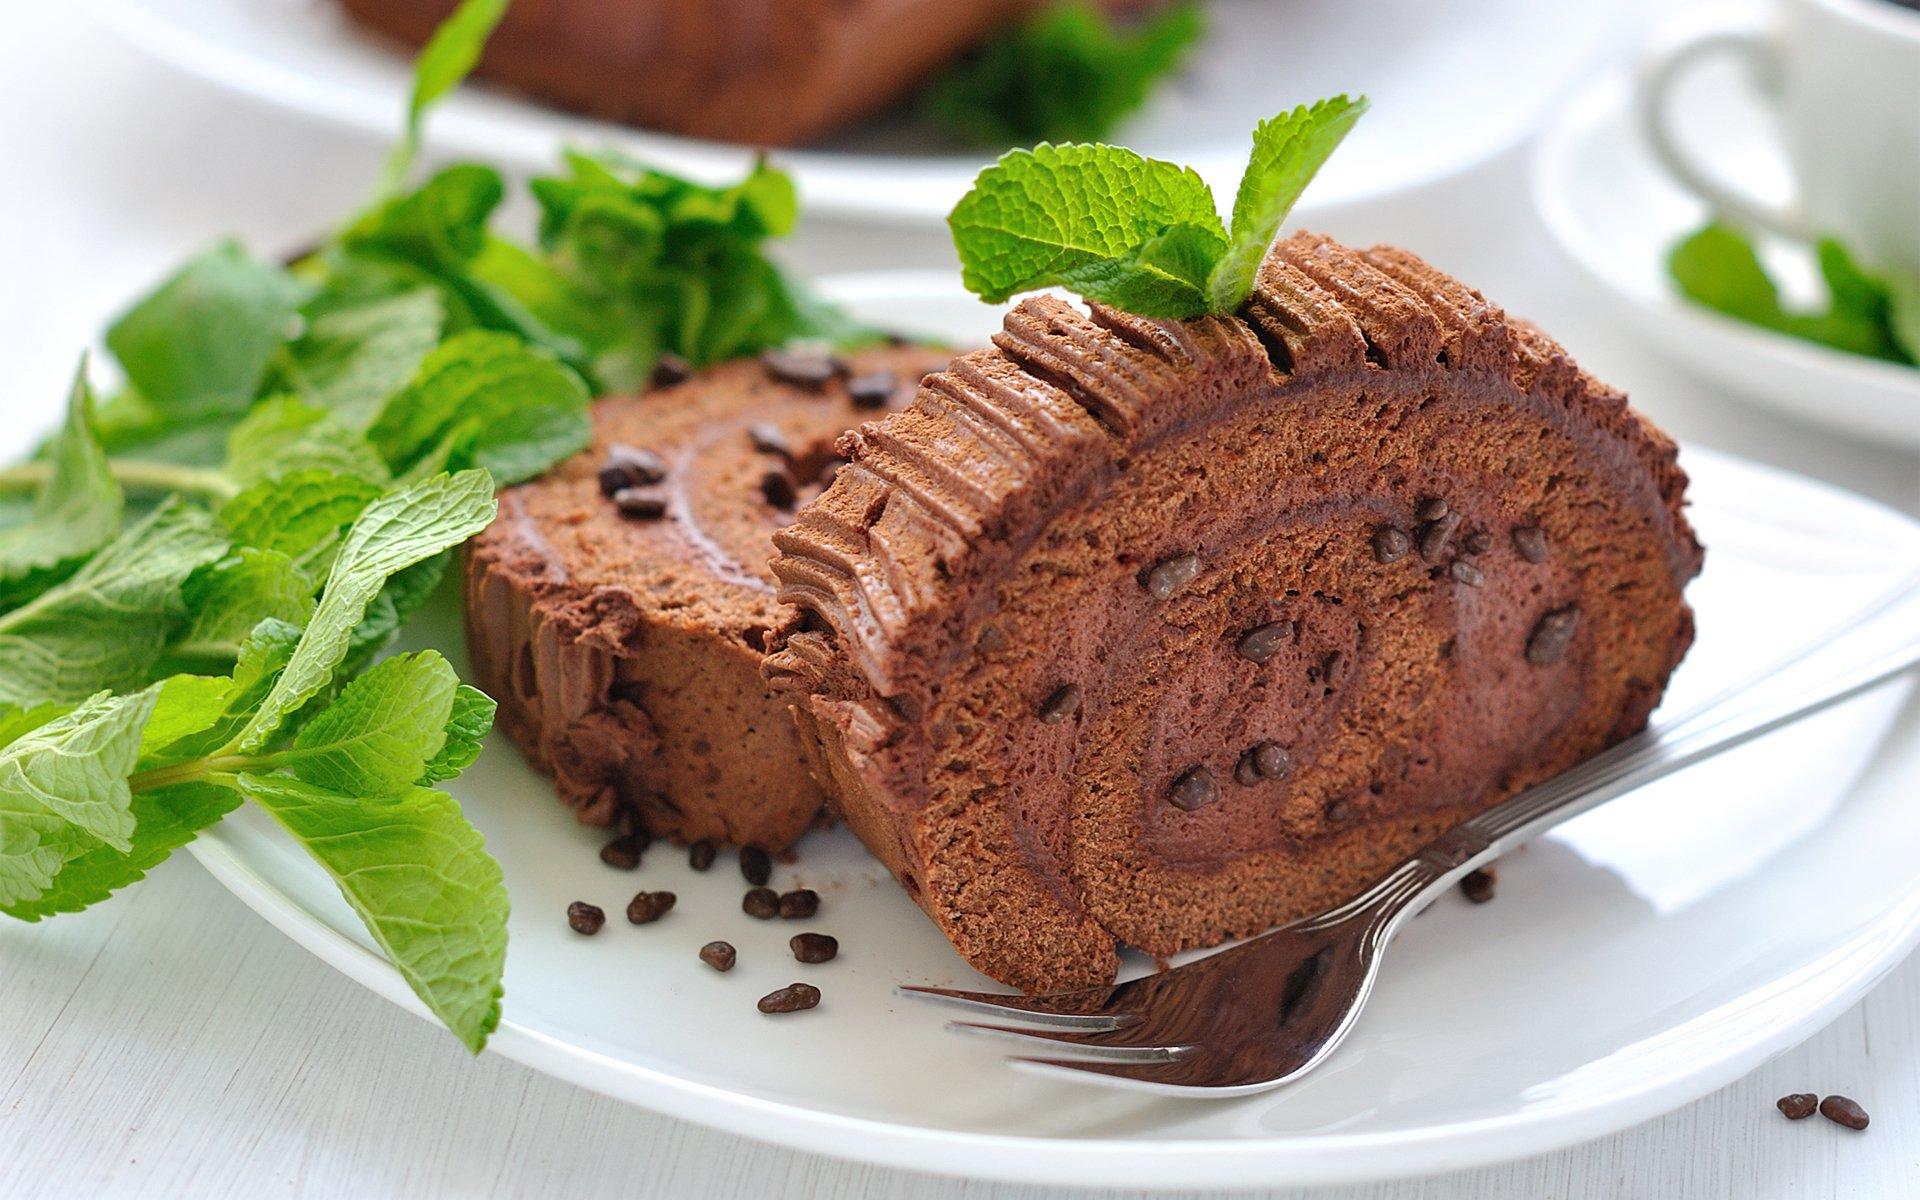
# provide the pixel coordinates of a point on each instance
(1133, 232)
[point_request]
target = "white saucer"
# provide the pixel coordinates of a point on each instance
(1423, 64)
(1636, 959)
(1617, 213)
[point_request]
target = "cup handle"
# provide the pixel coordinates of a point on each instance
(1662, 69)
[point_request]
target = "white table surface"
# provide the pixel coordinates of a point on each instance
(171, 1043)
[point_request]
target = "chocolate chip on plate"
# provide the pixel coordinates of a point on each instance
(761, 903)
(1063, 703)
(718, 955)
(814, 947)
(700, 855)
(647, 907)
(1843, 1111)
(795, 997)
(623, 852)
(1798, 1106)
(799, 904)
(585, 918)
(755, 865)
(1478, 884)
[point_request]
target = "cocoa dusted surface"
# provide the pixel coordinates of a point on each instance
(1160, 633)
(625, 650)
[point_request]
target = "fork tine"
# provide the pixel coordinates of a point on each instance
(1041, 1010)
(1076, 1042)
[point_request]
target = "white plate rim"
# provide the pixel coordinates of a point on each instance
(1775, 1018)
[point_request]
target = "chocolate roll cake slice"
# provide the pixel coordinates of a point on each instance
(617, 608)
(1159, 633)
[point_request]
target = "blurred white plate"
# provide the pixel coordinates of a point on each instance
(1617, 213)
(1452, 84)
(1617, 975)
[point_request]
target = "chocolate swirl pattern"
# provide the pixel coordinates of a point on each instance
(1160, 633)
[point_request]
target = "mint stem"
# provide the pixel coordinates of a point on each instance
(134, 474)
(192, 771)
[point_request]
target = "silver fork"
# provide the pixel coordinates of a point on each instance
(1266, 1011)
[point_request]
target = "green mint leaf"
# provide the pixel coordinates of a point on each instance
(262, 657)
(1068, 73)
(74, 513)
(449, 56)
(228, 598)
(379, 734)
(394, 532)
(201, 343)
(1056, 214)
(283, 435)
(1288, 151)
(440, 225)
(104, 627)
(186, 705)
(515, 408)
(16, 720)
(63, 790)
(466, 733)
(1857, 319)
(301, 514)
(165, 819)
(1903, 315)
(421, 879)
(1718, 267)
(354, 356)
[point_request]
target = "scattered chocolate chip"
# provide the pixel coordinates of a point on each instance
(1842, 1111)
(1478, 884)
(670, 369)
(814, 947)
(1478, 542)
(1194, 790)
(1263, 641)
(761, 903)
(1169, 574)
(623, 852)
(777, 487)
(1333, 668)
(640, 504)
(700, 855)
(1063, 703)
(629, 466)
(1548, 642)
(1465, 572)
(801, 368)
(647, 907)
(871, 390)
(1390, 544)
(795, 997)
(1798, 1106)
(1435, 535)
(755, 866)
(1431, 509)
(719, 955)
(1271, 760)
(799, 904)
(767, 438)
(586, 918)
(1530, 543)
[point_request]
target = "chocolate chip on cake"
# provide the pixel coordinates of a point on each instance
(1170, 574)
(585, 918)
(1261, 642)
(761, 903)
(808, 368)
(756, 867)
(1530, 543)
(719, 955)
(1435, 535)
(700, 855)
(1268, 760)
(1465, 572)
(1797, 1106)
(795, 997)
(623, 852)
(768, 439)
(814, 947)
(1478, 884)
(640, 504)
(1433, 508)
(647, 907)
(1194, 790)
(1843, 1111)
(1333, 668)
(799, 904)
(629, 466)
(777, 487)
(1552, 635)
(1061, 704)
(1390, 544)
(668, 370)
(1478, 542)
(871, 390)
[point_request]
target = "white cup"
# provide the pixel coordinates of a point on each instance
(1843, 79)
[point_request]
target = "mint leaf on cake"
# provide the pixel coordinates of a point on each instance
(1133, 232)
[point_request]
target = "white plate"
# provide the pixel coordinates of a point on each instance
(1620, 973)
(1424, 64)
(1617, 213)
